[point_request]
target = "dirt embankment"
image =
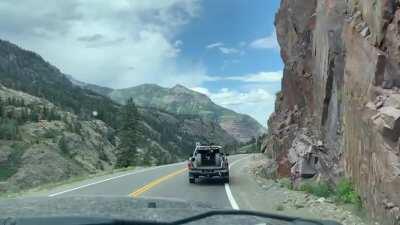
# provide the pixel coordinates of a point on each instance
(283, 200)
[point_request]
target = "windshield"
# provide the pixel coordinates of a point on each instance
(223, 108)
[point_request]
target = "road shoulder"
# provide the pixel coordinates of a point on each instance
(252, 192)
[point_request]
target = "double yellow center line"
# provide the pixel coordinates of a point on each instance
(155, 182)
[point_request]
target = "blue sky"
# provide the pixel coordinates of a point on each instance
(235, 25)
(226, 49)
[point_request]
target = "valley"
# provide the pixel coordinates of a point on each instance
(52, 129)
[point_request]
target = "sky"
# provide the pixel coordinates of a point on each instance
(226, 49)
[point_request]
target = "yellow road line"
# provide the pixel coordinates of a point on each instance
(155, 182)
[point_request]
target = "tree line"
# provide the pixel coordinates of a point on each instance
(15, 112)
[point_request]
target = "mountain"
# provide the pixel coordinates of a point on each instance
(98, 89)
(28, 72)
(181, 100)
(338, 114)
(49, 131)
(41, 143)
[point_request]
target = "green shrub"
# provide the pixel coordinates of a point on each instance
(51, 133)
(6, 171)
(62, 144)
(10, 167)
(279, 207)
(8, 129)
(320, 189)
(285, 182)
(345, 193)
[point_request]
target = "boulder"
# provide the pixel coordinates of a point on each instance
(393, 100)
(5, 152)
(391, 116)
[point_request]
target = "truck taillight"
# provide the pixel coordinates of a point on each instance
(190, 165)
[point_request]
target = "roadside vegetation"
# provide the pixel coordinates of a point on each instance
(129, 134)
(15, 112)
(342, 193)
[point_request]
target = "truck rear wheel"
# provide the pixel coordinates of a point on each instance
(226, 180)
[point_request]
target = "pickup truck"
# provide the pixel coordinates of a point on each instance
(208, 161)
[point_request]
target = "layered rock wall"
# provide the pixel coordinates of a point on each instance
(340, 99)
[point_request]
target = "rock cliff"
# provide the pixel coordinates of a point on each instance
(339, 108)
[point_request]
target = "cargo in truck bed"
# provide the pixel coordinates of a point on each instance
(208, 161)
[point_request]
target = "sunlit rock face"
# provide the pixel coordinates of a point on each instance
(340, 99)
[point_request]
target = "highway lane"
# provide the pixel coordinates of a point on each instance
(169, 181)
(120, 185)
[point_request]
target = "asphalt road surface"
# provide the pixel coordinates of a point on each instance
(167, 181)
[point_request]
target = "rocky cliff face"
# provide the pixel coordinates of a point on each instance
(340, 99)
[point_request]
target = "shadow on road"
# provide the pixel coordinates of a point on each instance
(209, 181)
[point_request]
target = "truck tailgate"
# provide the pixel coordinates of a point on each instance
(208, 167)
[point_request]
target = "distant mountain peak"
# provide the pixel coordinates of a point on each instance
(149, 85)
(75, 81)
(181, 88)
(182, 100)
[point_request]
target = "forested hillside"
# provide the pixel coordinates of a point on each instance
(28, 72)
(183, 101)
(51, 129)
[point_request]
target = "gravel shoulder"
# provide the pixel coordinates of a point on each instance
(257, 193)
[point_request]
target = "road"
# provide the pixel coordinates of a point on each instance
(167, 181)
(245, 191)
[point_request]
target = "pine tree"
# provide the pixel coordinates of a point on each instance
(2, 104)
(129, 135)
(147, 158)
(8, 129)
(34, 116)
(45, 113)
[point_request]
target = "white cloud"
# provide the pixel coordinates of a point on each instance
(228, 51)
(257, 103)
(259, 77)
(178, 43)
(117, 43)
(268, 42)
(201, 90)
(228, 97)
(222, 49)
(214, 45)
(254, 99)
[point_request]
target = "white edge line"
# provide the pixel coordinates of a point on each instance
(112, 178)
(228, 191)
(231, 199)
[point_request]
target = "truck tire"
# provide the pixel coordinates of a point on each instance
(226, 180)
(191, 180)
